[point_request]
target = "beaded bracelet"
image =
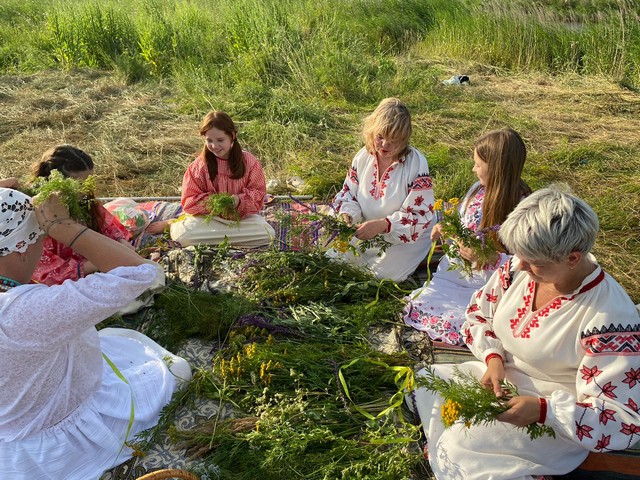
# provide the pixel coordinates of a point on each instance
(77, 236)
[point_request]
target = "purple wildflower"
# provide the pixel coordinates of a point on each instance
(237, 255)
(253, 320)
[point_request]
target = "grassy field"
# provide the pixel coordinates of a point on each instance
(130, 83)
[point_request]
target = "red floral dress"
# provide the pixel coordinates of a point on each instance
(59, 262)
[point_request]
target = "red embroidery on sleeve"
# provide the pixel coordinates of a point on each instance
(603, 443)
(589, 374)
(583, 431)
(606, 415)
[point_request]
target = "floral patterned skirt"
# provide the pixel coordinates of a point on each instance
(439, 308)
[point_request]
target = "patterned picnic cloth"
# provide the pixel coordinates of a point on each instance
(293, 230)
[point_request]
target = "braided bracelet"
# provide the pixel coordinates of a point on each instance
(50, 224)
(77, 236)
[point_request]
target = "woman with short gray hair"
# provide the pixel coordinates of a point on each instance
(565, 333)
(550, 224)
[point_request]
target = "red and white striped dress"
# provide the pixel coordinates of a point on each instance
(197, 186)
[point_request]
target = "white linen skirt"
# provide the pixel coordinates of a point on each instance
(92, 438)
(496, 451)
(251, 231)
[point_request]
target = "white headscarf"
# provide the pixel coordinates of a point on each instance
(19, 226)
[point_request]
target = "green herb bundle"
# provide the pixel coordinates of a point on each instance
(282, 278)
(77, 195)
(479, 242)
(466, 400)
(327, 231)
(222, 205)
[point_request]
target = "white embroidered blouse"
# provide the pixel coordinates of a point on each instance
(403, 194)
(581, 352)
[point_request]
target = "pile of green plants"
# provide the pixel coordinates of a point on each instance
(288, 277)
(312, 397)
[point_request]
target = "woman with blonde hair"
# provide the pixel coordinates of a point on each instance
(439, 308)
(388, 192)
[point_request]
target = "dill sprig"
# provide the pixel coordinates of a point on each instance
(466, 400)
(77, 195)
(222, 205)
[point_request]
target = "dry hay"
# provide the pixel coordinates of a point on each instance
(140, 142)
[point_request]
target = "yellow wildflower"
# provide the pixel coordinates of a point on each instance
(449, 211)
(340, 245)
(223, 369)
(454, 201)
(250, 350)
(450, 412)
(232, 368)
(264, 375)
(438, 204)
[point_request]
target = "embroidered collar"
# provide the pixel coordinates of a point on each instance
(521, 326)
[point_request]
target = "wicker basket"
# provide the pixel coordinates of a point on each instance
(169, 473)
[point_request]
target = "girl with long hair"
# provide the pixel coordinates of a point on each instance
(60, 262)
(439, 308)
(222, 167)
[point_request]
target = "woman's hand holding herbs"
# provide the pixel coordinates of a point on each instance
(371, 228)
(436, 232)
(523, 410)
(54, 219)
(50, 212)
(493, 377)
(471, 256)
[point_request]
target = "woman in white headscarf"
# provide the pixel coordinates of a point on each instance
(65, 413)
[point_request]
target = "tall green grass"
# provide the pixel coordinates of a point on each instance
(337, 48)
(587, 38)
(300, 75)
